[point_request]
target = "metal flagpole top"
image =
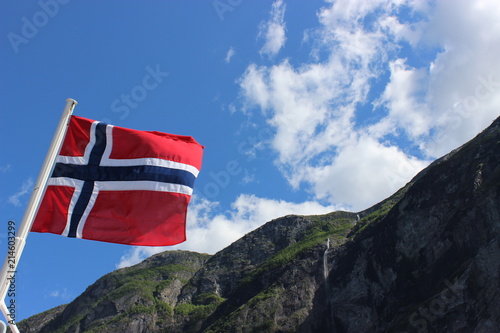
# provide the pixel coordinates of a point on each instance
(70, 105)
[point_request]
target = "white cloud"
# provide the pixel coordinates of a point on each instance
(5, 168)
(459, 89)
(63, 294)
(209, 230)
(230, 53)
(401, 98)
(443, 87)
(26, 188)
(464, 79)
(360, 169)
(273, 31)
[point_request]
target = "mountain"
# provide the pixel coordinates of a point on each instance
(426, 259)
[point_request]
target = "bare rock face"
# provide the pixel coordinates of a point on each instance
(432, 263)
(427, 259)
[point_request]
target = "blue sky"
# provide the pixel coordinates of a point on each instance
(304, 107)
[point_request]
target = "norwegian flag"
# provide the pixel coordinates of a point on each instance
(119, 185)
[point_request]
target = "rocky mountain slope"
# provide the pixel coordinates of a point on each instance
(427, 259)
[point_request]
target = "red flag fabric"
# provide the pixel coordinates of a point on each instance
(119, 185)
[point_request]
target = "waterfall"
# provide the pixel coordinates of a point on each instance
(330, 318)
(325, 259)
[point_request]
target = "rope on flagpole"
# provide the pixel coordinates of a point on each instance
(12, 259)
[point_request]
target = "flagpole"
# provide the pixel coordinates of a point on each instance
(15, 250)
